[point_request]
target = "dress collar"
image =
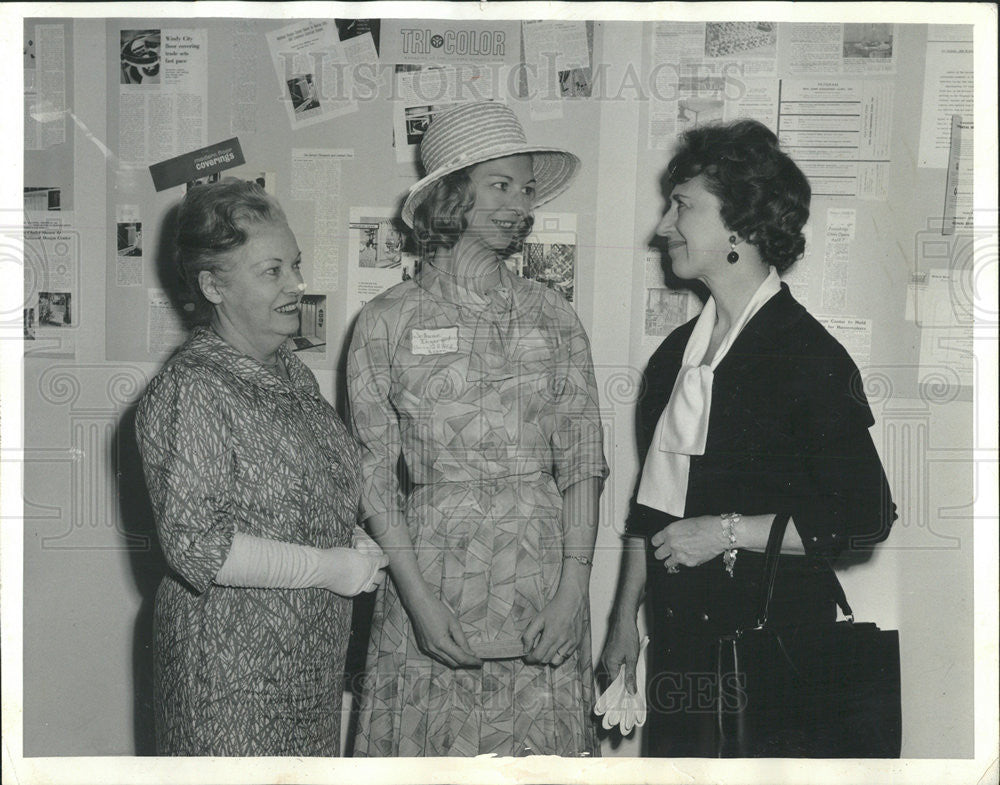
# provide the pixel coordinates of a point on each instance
(207, 344)
(467, 291)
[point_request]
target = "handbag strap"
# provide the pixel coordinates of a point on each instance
(771, 554)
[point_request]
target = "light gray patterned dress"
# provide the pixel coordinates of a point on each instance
(229, 447)
(489, 396)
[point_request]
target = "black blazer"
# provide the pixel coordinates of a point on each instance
(788, 431)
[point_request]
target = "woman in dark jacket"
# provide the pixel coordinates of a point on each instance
(749, 411)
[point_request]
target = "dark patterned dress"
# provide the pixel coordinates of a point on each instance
(490, 398)
(228, 447)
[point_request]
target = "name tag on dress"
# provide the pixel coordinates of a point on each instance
(441, 341)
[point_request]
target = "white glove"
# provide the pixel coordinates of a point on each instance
(273, 564)
(350, 571)
(619, 706)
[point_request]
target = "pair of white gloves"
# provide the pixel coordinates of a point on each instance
(619, 706)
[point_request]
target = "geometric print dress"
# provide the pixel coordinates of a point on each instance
(228, 447)
(489, 398)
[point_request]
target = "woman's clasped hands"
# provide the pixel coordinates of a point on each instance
(550, 639)
(555, 633)
(439, 633)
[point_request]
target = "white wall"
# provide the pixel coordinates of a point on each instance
(87, 579)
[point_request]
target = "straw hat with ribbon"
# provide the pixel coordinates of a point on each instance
(469, 134)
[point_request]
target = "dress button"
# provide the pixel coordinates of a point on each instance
(704, 617)
(670, 613)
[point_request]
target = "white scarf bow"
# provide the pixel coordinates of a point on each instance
(683, 427)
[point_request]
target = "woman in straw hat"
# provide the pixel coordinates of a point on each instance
(483, 383)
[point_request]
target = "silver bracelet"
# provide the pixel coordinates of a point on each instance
(582, 559)
(729, 521)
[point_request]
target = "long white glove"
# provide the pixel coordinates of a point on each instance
(272, 564)
(619, 706)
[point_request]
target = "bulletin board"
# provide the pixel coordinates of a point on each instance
(327, 116)
(888, 267)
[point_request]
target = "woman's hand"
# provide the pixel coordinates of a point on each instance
(439, 634)
(689, 542)
(556, 632)
(347, 571)
(621, 648)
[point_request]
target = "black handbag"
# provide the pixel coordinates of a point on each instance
(829, 690)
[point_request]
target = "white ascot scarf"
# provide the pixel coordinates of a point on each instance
(683, 427)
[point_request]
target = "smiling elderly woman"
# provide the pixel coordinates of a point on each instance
(255, 484)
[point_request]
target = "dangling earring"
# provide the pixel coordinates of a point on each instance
(732, 257)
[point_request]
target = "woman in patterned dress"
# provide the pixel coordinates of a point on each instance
(255, 483)
(483, 383)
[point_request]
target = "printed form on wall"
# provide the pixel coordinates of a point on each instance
(949, 89)
(939, 302)
(665, 309)
(958, 205)
(359, 39)
(838, 132)
(797, 276)
(855, 334)
(840, 226)
(246, 44)
(45, 87)
(706, 72)
(316, 179)
(128, 257)
(376, 256)
(163, 93)
(557, 65)
(827, 48)
(944, 315)
(165, 330)
(51, 279)
(549, 253)
(313, 72)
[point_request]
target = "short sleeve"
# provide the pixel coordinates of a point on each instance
(845, 501)
(373, 418)
(188, 463)
(578, 438)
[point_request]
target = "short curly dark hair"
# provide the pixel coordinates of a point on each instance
(212, 220)
(764, 195)
(442, 217)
